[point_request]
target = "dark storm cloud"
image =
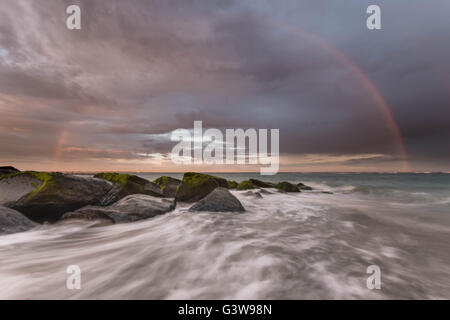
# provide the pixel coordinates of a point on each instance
(139, 69)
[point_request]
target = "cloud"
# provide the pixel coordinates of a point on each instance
(142, 68)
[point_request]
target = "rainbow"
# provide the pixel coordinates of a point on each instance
(354, 69)
(59, 144)
(381, 102)
(363, 78)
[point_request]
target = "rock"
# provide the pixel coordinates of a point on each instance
(246, 185)
(15, 186)
(197, 185)
(219, 200)
(126, 184)
(264, 191)
(12, 221)
(139, 206)
(90, 213)
(8, 170)
(168, 185)
(302, 186)
(253, 194)
(254, 184)
(131, 208)
(287, 187)
(262, 184)
(232, 184)
(49, 195)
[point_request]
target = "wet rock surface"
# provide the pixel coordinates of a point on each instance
(220, 200)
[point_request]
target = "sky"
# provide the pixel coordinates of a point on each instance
(108, 96)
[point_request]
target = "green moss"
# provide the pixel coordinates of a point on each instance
(47, 180)
(287, 187)
(9, 175)
(261, 184)
(164, 180)
(195, 186)
(232, 184)
(194, 179)
(128, 183)
(42, 176)
(245, 185)
(118, 178)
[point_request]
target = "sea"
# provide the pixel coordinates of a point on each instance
(319, 244)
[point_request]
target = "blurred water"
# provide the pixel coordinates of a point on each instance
(286, 246)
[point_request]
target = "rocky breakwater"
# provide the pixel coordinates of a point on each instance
(43, 196)
(29, 198)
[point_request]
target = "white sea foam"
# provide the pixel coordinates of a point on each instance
(293, 246)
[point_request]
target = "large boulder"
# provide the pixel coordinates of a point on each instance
(8, 170)
(127, 184)
(15, 186)
(168, 185)
(46, 196)
(287, 187)
(131, 208)
(195, 186)
(219, 200)
(12, 221)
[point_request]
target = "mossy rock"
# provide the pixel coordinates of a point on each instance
(126, 184)
(287, 187)
(195, 186)
(38, 182)
(163, 180)
(53, 194)
(34, 174)
(120, 179)
(246, 185)
(5, 170)
(168, 185)
(262, 184)
(302, 186)
(14, 186)
(232, 184)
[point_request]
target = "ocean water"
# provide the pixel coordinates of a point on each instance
(311, 245)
